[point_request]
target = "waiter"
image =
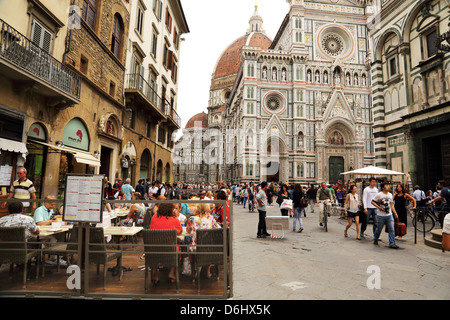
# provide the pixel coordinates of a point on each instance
(23, 189)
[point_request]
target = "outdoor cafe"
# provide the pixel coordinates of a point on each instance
(94, 254)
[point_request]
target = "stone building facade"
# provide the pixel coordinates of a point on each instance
(66, 98)
(312, 88)
(410, 90)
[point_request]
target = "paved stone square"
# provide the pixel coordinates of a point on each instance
(316, 264)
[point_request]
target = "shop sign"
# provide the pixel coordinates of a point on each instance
(37, 131)
(76, 135)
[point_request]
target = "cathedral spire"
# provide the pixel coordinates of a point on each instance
(256, 22)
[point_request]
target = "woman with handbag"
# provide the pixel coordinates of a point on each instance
(351, 207)
(283, 199)
(299, 202)
(400, 198)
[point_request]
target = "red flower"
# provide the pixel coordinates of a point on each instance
(80, 134)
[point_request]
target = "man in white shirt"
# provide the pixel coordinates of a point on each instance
(369, 209)
(420, 197)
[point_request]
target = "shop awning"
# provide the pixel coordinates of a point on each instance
(80, 156)
(13, 146)
(86, 158)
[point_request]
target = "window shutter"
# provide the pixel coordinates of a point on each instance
(41, 37)
(36, 33)
(47, 41)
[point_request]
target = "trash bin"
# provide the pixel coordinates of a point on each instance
(446, 233)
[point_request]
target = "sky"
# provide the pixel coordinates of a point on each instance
(214, 25)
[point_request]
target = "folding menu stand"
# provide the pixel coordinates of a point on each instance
(280, 222)
(83, 203)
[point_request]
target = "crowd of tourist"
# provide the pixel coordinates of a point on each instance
(384, 206)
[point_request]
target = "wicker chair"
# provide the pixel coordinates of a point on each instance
(208, 237)
(97, 243)
(23, 253)
(147, 218)
(163, 260)
(60, 249)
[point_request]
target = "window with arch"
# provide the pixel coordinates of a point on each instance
(117, 35)
(251, 70)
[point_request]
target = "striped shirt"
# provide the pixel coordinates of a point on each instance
(23, 190)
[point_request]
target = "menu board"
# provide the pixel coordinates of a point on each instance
(83, 198)
(5, 175)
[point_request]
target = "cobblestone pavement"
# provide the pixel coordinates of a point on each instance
(323, 265)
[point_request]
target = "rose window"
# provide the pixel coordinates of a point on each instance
(273, 103)
(333, 44)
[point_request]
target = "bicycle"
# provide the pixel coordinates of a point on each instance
(326, 214)
(427, 218)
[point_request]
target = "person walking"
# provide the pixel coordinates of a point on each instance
(311, 195)
(384, 202)
(351, 207)
(261, 197)
(244, 195)
(444, 198)
(298, 199)
(400, 201)
(420, 196)
(283, 195)
(23, 189)
(369, 209)
(324, 195)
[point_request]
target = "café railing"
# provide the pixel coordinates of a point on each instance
(83, 250)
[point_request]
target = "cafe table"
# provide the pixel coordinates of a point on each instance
(48, 230)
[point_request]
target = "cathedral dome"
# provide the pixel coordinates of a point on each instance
(230, 60)
(202, 117)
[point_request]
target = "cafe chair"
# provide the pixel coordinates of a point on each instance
(22, 254)
(147, 218)
(62, 249)
(97, 243)
(153, 238)
(208, 240)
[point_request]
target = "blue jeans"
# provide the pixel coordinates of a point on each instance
(364, 219)
(298, 211)
(244, 200)
(389, 221)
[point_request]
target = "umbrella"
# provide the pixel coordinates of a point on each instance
(375, 171)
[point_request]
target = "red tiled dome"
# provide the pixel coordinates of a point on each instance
(230, 60)
(203, 117)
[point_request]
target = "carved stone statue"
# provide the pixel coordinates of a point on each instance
(325, 77)
(283, 75)
(264, 73)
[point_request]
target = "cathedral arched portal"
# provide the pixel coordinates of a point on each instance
(341, 151)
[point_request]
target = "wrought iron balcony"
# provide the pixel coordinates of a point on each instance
(172, 114)
(144, 94)
(24, 61)
(136, 83)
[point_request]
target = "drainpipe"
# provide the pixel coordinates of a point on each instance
(68, 38)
